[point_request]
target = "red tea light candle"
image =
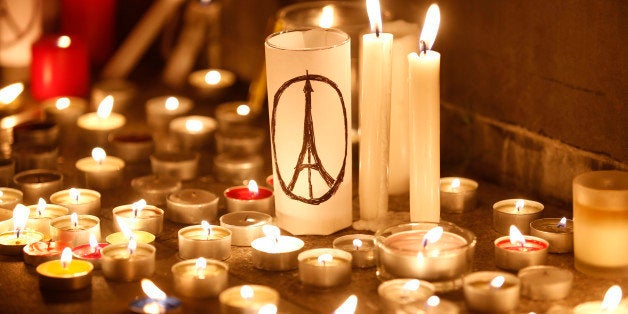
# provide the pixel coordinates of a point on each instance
(458, 195)
(155, 189)
(211, 81)
(10, 197)
(128, 262)
(204, 240)
(325, 268)
(13, 242)
(517, 251)
(518, 212)
(65, 274)
(101, 171)
(545, 283)
(360, 246)
(38, 183)
(404, 295)
(90, 252)
(60, 66)
(96, 126)
(75, 229)
(247, 299)
(488, 291)
(10, 99)
(134, 146)
(193, 132)
(245, 226)
(200, 278)
(80, 201)
(276, 252)
(156, 300)
(178, 165)
(558, 232)
(161, 110)
(38, 252)
(41, 214)
(232, 114)
(191, 206)
(139, 216)
(64, 110)
(612, 304)
(250, 197)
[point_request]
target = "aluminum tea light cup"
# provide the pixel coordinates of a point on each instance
(517, 251)
(245, 226)
(243, 140)
(191, 206)
(518, 212)
(404, 295)
(10, 197)
(12, 242)
(276, 252)
(80, 201)
(163, 109)
(75, 229)
(247, 299)
(139, 216)
(545, 283)
(41, 214)
(458, 195)
(200, 278)
(128, 262)
(361, 247)
(38, 183)
(155, 189)
(193, 132)
(132, 146)
(179, 165)
(489, 291)
(100, 171)
(233, 114)
(325, 268)
(204, 240)
(557, 231)
(236, 168)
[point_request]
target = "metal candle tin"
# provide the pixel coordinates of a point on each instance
(209, 282)
(505, 214)
(331, 273)
(245, 226)
(191, 206)
(117, 264)
(155, 189)
(363, 254)
(480, 296)
(458, 199)
(150, 219)
(560, 238)
(545, 283)
(507, 257)
(193, 242)
(38, 183)
(179, 165)
(88, 202)
(62, 230)
(279, 254)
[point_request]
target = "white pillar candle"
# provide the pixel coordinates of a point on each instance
(424, 104)
(375, 70)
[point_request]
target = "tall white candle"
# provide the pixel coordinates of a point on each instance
(424, 103)
(375, 67)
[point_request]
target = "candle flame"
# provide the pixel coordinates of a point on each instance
(348, 306)
(455, 184)
(357, 244)
(20, 215)
(212, 77)
(324, 258)
(375, 16)
(243, 110)
(126, 230)
(74, 220)
(207, 228)
(66, 257)
(430, 27)
(432, 235)
(246, 292)
(520, 204)
(99, 155)
(64, 41)
(172, 103)
(41, 207)
(612, 298)
(562, 223)
(411, 285)
(193, 125)
(152, 291)
(327, 17)
(271, 232)
(75, 194)
(201, 264)
(10, 92)
(253, 188)
(433, 301)
(497, 282)
(105, 107)
(516, 237)
(93, 243)
(62, 103)
(132, 246)
(267, 309)
(137, 207)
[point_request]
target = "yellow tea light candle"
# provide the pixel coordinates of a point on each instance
(245, 226)
(139, 216)
(65, 274)
(325, 268)
(38, 183)
(80, 201)
(41, 214)
(100, 171)
(276, 252)
(128, 262)
(404, 295)
(96, 126)
(200, 278)
(10, 197)
(210, 82)
(518, 212)
(247, 299)
(75, 229)
(13, 242)
(204, 240)
(489, 291)
(191, 206)
(161, 110)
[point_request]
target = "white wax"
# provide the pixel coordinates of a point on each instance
(91, 121)
(90, 165)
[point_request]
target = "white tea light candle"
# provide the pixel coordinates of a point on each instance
(80, 201)
(245, 226)
(518, 212)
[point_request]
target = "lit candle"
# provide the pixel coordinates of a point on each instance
(74, 228)
(404, 295)
(101, 171)
(97, 126)
(204, 240)
(35, 157)
(545, 283)
(139, 216)
(236, 168)
(38, 252)
(488, 291)
(156, 301)
(193, 132)
(200, 278)
(458, 195)
(191, 206)
(128, 261)
(64, 110)
(424, 104)
(80, 201)
(161, 110)
(247, 299)
(178, 165)
(155, 189)
(375, 74)
(517, 251)
(416, 250)
(123, 91)
(90, 252)
(41, 214)
(361, 247)
(612, 304)
(13, 242)
(42, 133)
(557, 231)
(245, 226)
(518, 212)
(211, 81)
(10, 197)
(126, 234)
(38, 183)
(276, 252)
(250, 197)
(132, 146)
(348, 306)
(10, 99)
(65, 274)
(324, 268)
(241, 140)
(233, 114)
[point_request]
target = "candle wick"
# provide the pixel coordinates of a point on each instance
(246, 218)
(17, 233)
(422, 47)
(377, 31)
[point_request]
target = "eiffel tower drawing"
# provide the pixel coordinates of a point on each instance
(308, 150)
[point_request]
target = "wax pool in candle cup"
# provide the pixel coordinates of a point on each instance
(139, 216)
(80, 201)
(489, 291)
(557, 231)
(204, 240)
(65, 274)
(518, 251)
(276, 252)
(250, 197)
(361, 247)
(90, 252)
(458, 195)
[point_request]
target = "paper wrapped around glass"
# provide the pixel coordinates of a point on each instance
(309, 92)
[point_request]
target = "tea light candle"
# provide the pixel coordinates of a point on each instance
(96, 126)
(132, 146)
(161, 110)
(518, 251)
(13, 242)
(247, 299)
(41, 214)
(122, 238)
(38, 183)
(65, 274)
(518, 212)
(38, 252)
(6, 220)
(200, 278)
(191, 206)
(80, 201)
(250, 197)
(557, 231)
(235, 168)
(128, 262)
(101, 171)
(324, 268)
(404, 295)
(139, 216)
(64, 110)
(245, 226)
(179, 165)
(7, 171)
(458, 195)
(434, 305)
(612, 303)
(233, 114)
(360, 246)
(155, 189)
(90, 252)
(156, 301)
(74, 228)
(36, 133)
(10, 99)
(440, 253)
(489, 291)
(241, 140)
(276, 252)
(545, 283)
(204, 240)
(35, 157)
(123, 91)
(211, 81)
(193, 132)
(10, 197)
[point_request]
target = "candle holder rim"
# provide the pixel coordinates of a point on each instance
(183, 230)
(465, 233)
(179, 266)
(351, 237)
(87, 217)
(58, 176)
(509, 277)
(82, 191)
(401, 281)
(213, 201)
(600, 180)
(126, 207)
(511, 202)
(539, 222)
(236, 290)
(345, 39)
(299, 244)
(87, 264)
(57, 207)
(267, 218)
(140, 246)
(226, 191)
(319, 251)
